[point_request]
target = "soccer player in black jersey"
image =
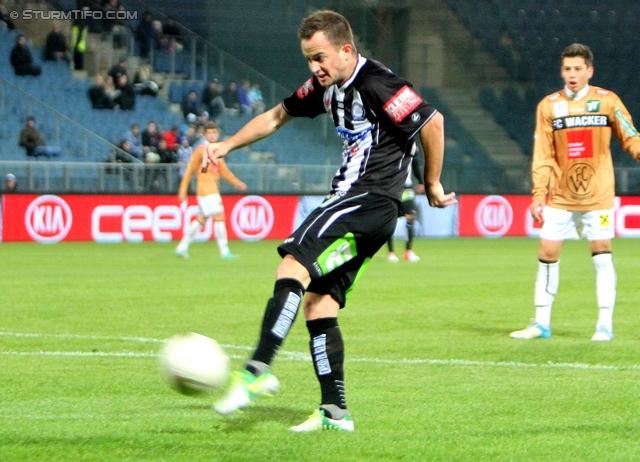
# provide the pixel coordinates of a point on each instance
(377, 114)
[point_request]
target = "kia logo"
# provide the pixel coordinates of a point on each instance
(494, 216)
(48, 219)
(252, 218)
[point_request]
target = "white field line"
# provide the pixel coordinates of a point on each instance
(297, 356)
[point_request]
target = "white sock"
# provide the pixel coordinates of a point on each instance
(546, 288)
(605, 288)
(187, 239)
(221, 236)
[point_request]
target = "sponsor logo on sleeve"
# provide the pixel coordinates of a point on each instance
(402, 104)
(305, 89)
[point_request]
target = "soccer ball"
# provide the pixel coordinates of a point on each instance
(193, 364)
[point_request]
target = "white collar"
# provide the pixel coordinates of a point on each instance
(359, 64)
(577, 96)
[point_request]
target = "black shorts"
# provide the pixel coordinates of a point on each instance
(408, 205)
(337, 240)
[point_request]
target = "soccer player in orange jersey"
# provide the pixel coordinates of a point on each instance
(573, 184)
(208, 192)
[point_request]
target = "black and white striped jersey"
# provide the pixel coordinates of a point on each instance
(376, 114)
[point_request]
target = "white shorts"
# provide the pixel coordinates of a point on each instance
(210, 205)
(558, 225)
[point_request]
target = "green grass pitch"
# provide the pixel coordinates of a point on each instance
(431, 373)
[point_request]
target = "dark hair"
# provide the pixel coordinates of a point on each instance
(335, 27)
(579, 50)
(211, 126)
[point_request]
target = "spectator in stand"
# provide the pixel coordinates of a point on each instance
(167, 156)
(242, 91)
(212, 99)
(191, 105)
(148, 35)
(126, 98)
(5, 18)
(119, 153)
(11, 186)
(79, 32)
(134, 137)
(110, 90)
(98, 95)
(255, 98)
(117, 70)
(22, 59)
(150, 137)
(143, 82)
(230, 97)
(172, 35)
(184, 154)
(55, 47)
(32, 141)
(171, 137)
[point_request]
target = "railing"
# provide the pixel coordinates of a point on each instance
(125, 178)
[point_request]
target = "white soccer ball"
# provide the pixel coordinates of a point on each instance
(194, 364)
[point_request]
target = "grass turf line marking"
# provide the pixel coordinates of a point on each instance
(297, 356)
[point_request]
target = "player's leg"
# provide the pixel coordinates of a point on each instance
(598, 228)
(327, 352)
(558, 226)
(187, 238)
(220, 229)
(409, 254)
(392, 257)
(256, 379)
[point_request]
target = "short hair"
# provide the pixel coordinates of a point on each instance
(578, 50)
(335, 27)
(211, 126)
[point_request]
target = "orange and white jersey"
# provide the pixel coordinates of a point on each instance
(208, 182)
(572, 154)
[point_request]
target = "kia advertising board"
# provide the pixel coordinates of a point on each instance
(112, 219)
(497, 216)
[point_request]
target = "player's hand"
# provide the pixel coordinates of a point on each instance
(242, 186)
(213, 152)
(636, 156)
(437, 197)
(537, 206)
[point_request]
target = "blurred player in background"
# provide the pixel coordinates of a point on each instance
(208, 192)
(572, 167)
(409, 210)
(377, 115)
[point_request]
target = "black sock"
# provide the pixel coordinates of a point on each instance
(279, 315)
(327, 351)
(409, 233)
(390, 244)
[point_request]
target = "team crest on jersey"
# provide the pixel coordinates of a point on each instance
(561, 109)
(357, 112)
(305, 89)
(402, 104)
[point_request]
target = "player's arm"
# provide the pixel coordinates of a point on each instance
(192, 166)
(258, 128)
(230, 177)
(432, 141)
(417, 171)
(624, 129)
(544, 161)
